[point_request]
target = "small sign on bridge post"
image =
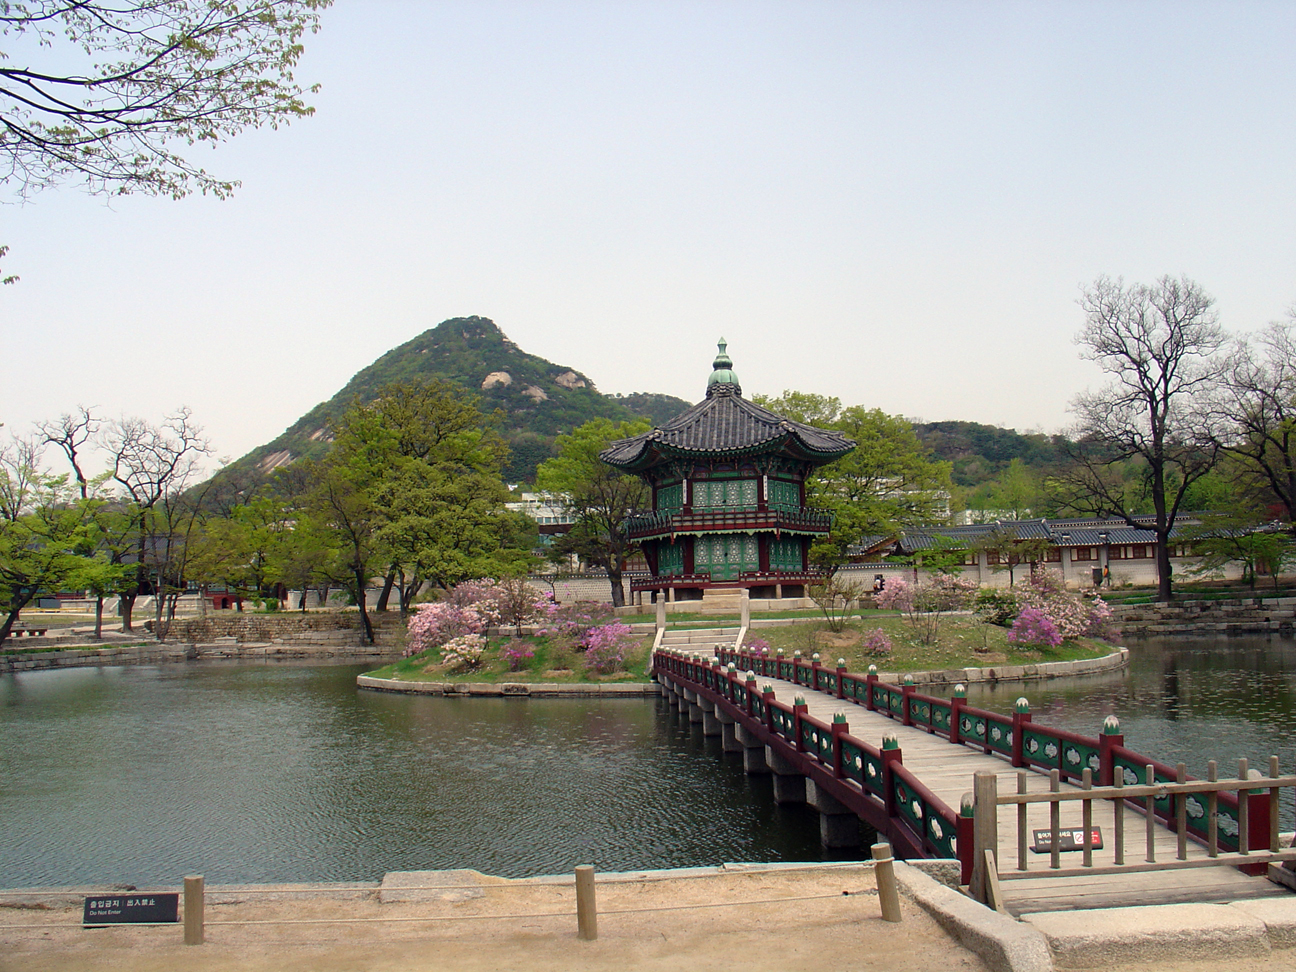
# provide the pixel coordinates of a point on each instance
(1068, 840)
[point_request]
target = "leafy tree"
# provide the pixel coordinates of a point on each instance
(805, 407)
(41, 526)
(1223, 540)
(1159, 345)
(598, 496)
(105, 92)
(1016, 493)
(886, 483)
(1008, 550)
(412, 485)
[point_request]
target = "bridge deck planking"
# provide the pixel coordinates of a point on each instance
(947, 770)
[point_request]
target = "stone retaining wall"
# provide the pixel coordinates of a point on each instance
(1223, 617)
(175, 652)
(313, 627)
(514, 689)
(1117, 660)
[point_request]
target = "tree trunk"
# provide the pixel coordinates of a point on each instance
(388, 581)
(301, 603)
(99, 617)
(126, 607)
(366, 626)
(409, 592)
(618, 593)
(1165, 589)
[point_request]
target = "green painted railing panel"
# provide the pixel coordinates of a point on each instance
(972, 728)
(999, 735)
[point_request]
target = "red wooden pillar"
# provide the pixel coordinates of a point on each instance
(751, 694)
(839, 728)
(965, 842)
(890, 756)
(1110, 738)
(871, 681)
(957, 702)
(841, 674)
(1021, 716)
(798, 710)
(814, 671)
(768, 698)
(907, 689)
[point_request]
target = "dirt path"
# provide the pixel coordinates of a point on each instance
(834, 932)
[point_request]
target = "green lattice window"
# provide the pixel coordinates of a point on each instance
(718, 494)
(785, 555)
(724, 557)
(670, 497)
(670, 559)
(784, 496)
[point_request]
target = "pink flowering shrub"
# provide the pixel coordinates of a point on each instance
(432, 625)
(606, 647)
(1072, 615)
(756, 645)
(877, 643)
(923, 604)
(463, 653)
(517, 653)
(1035, 628)
(574, 620)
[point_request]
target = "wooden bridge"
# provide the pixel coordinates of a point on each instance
(810, 726)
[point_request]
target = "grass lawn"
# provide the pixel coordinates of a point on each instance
(553, 662)
(963, 641)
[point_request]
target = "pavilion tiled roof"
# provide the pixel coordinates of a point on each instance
(726, 424)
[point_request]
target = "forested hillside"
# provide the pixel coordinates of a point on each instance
(536, 399)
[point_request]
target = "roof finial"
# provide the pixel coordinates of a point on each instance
(722, 371)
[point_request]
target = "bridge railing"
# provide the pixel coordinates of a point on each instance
(1246, 837)
(1015, 737)
(878, 775)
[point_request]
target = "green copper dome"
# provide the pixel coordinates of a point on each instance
(722, 370)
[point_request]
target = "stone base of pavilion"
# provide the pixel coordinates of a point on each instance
(721, 601)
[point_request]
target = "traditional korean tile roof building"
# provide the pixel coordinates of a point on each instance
(728, 494)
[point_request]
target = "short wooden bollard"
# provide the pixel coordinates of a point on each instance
(193, 909)
(586, 908)
(884, 873)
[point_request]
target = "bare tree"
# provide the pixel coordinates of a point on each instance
(1254, 414)
(72, 433)
(151, 463)
(1160, 344)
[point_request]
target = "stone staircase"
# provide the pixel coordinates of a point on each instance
(699, 640)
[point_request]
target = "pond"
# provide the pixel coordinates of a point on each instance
(263, 773)
(287, 772)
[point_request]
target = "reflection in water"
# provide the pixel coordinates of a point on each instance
(271, 773)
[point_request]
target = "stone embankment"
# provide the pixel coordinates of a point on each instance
(1250, 615)
(153, 654)
(310, 627)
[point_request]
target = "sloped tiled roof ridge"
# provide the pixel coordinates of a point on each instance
(727, 424)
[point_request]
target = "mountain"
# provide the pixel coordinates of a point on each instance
(539, 399)
(979, 453)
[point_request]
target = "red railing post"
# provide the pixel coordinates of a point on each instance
(1257, 824)
(796, 668)
(814, 671)
(907, 690)
(778, 665)
(1110, 738)
(841, 675)
(751, 692)
(890, 757)
(838, 730)
(957, 701)
(965, 842)
(871, 683)
(798, 710)
(1021, 716)
(768, 698)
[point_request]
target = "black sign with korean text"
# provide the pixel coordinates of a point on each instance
(1068, 840)
(129, 909)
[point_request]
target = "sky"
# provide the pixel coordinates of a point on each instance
(897, 204)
